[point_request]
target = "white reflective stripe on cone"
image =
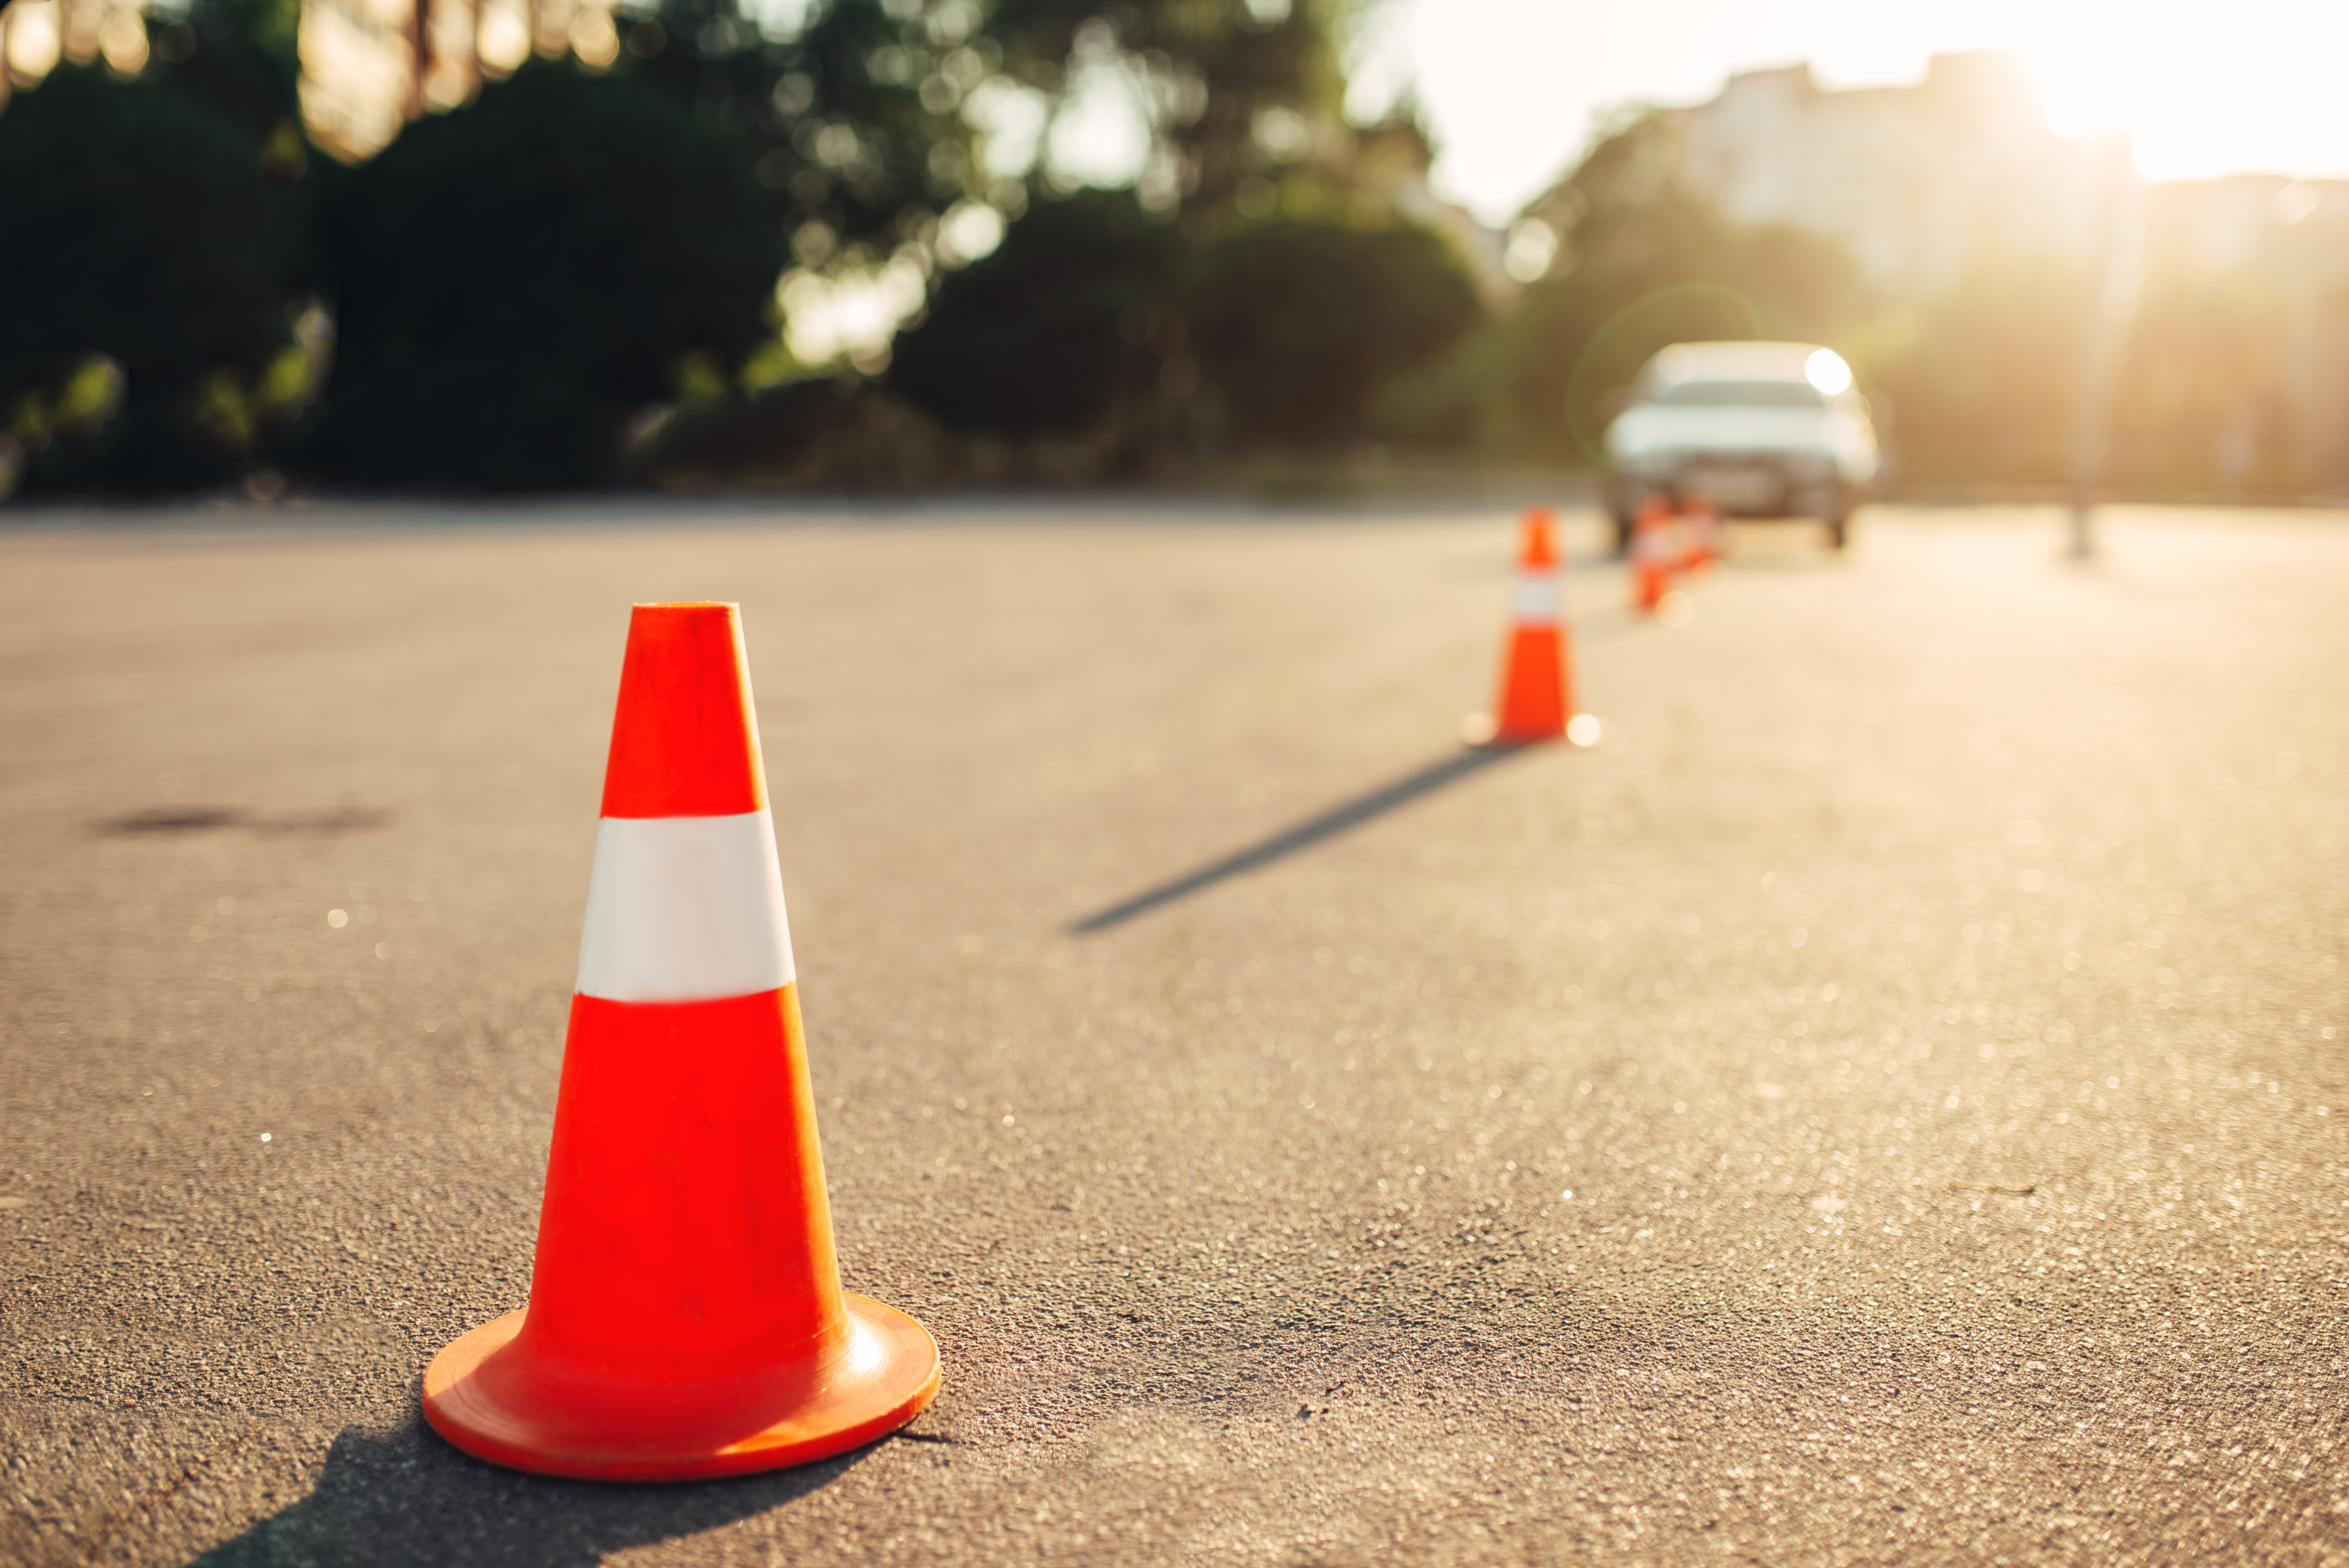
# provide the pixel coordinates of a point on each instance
(1537, 598)
(684, 909)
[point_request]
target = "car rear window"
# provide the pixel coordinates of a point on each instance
(1741, 395)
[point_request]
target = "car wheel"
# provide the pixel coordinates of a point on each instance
(1831, 504)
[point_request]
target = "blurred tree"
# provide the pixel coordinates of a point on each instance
(1232, 88)
(2201, 396)
(1297, 323)
(1985, 382)
(821, 432)
(1061, 329)
(852, 117)
(239, 58)
(1986, 378)
(1078, 325)
(515, 277)
(146, 228)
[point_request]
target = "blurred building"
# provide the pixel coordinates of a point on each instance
(1920, 182)
(1928, 183)
(368, 67)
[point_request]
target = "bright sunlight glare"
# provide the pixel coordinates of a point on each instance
(1511, 86)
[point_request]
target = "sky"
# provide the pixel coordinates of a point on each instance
(1511, 86)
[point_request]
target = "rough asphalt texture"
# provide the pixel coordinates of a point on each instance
(1885, 1104)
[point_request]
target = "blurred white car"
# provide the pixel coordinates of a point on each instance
(1760, 429)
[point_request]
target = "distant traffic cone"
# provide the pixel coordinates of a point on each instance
(686, 1317)
(1699, 534)
(1535, 685)
(1652, 553)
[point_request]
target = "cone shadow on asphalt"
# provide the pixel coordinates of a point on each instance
(1448, 770)
(403, 1496)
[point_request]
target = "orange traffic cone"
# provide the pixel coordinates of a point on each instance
(686, 1316)
(1536, 686)
(1699, 534)
(1652, 553)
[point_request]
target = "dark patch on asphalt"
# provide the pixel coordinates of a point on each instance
(156, 819)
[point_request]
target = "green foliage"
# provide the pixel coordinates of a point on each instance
(1215, 65)
(2201, 393)
(1297, 323)
(851, 121)
(1061, 328)
(238, 59)
(514, 284)
(143, 232)
(1089, 313)
(1986, 381)
(814, 434)
(515, 277)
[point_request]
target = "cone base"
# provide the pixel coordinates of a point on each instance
(889, 1377)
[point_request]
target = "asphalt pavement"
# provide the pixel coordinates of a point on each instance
(1886, 1102)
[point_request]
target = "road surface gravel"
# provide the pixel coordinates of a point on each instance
(1887, 1102)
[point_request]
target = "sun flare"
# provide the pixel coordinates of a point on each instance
(1513, 88)
(2200, 90)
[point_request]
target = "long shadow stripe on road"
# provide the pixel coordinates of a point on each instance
(394, 1498)
(1348, 814)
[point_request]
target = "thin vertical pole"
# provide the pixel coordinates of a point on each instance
(2091, 407)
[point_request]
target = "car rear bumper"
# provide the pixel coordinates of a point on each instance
(1741, 485)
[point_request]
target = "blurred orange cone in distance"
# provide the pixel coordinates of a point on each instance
(686, 1317)
(1652, 553)
(1535, 685)
(1700, 530)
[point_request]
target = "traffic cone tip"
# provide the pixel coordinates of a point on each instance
(1537, 543)
(684, 743)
